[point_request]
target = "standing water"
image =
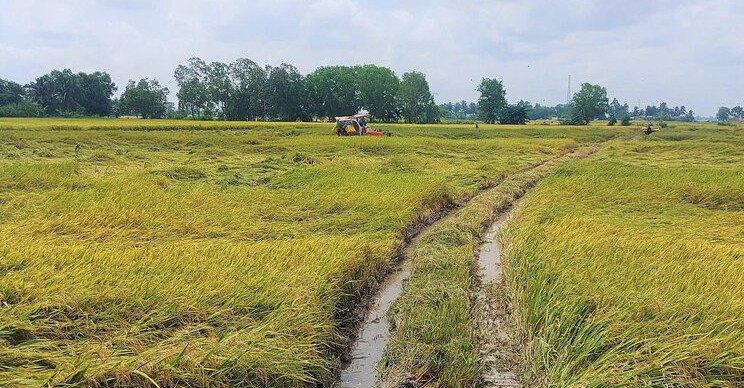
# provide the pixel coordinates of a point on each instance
(373, 336)
(494, 349)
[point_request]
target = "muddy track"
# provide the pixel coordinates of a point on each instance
(366, 327)
(499, 351)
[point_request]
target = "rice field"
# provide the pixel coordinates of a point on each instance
(135, 252)
(628, 268)
(172, 253)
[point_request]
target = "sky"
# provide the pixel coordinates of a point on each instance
(683, 52)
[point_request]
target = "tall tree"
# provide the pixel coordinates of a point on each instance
(10, 92)
(287, 94)
(492, 100)
(146, 99)
(588, 104)
(219, 87)
(333, 91)
(723, 114)
(97, 90)
(250, 94)
(378, 89)
(414, 97)
(515, 114)
(193, 95)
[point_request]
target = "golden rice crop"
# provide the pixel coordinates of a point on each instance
(627, 268)
(207, 254)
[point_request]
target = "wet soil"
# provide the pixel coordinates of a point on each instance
(498, 351)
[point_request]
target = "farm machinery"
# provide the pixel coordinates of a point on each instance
(356, 125)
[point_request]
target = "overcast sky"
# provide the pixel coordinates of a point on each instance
(682, 52)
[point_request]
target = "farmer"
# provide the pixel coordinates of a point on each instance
(339, 128)
(649, 129)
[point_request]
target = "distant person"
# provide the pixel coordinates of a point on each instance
(649, 129)
(339, 128)
(362, 122)
(476, 124)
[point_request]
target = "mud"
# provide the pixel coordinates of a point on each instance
(374, 334)
(498, 352)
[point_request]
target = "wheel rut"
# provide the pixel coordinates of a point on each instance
(490, 320)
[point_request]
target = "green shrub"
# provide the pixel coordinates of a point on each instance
(625, 120)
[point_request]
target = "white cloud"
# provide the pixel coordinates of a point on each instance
(682, 52)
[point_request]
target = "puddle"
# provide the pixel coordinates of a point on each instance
(373, 336)
(489, 258)
(494, 350)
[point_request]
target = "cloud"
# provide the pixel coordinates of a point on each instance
(682, 52)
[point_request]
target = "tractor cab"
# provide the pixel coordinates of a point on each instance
(351, 125)
(355, 125)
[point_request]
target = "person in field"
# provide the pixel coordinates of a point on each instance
(649, 129)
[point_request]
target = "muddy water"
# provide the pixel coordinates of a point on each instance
(495, 351)
(373, 336)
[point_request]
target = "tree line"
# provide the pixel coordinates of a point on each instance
(725, 114)
(245, 90)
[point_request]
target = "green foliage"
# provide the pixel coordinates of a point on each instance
(378, 91)
(21, 109)
(625, 121)
(64, 92)
(146, 99)
(288, 95)
(416, 102)
(492, 100)
(514, 114)
(333, 91)
(723, 115)
(10, 92)
(612, 121)
(588, 104)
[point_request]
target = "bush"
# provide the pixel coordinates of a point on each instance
(21, 109)
(612, 121)
(663, 124)
(625, 120)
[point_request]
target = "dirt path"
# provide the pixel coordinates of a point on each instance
(373, 337)
(491, 312)
(499, 352)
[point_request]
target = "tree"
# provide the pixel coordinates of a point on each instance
(333, 91)
(492, 100)
(723, 114)
(96, 92)
(287, 94)
(625, 121)
(617, 110)
(66, 93)
(10, 92)
(192, 93)
(612, 121)
(249, 96)
(378, 88)
(146, 99)
(414, 97)
(737, 112)
(514, 114)
(588, 104)
(218, 87)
